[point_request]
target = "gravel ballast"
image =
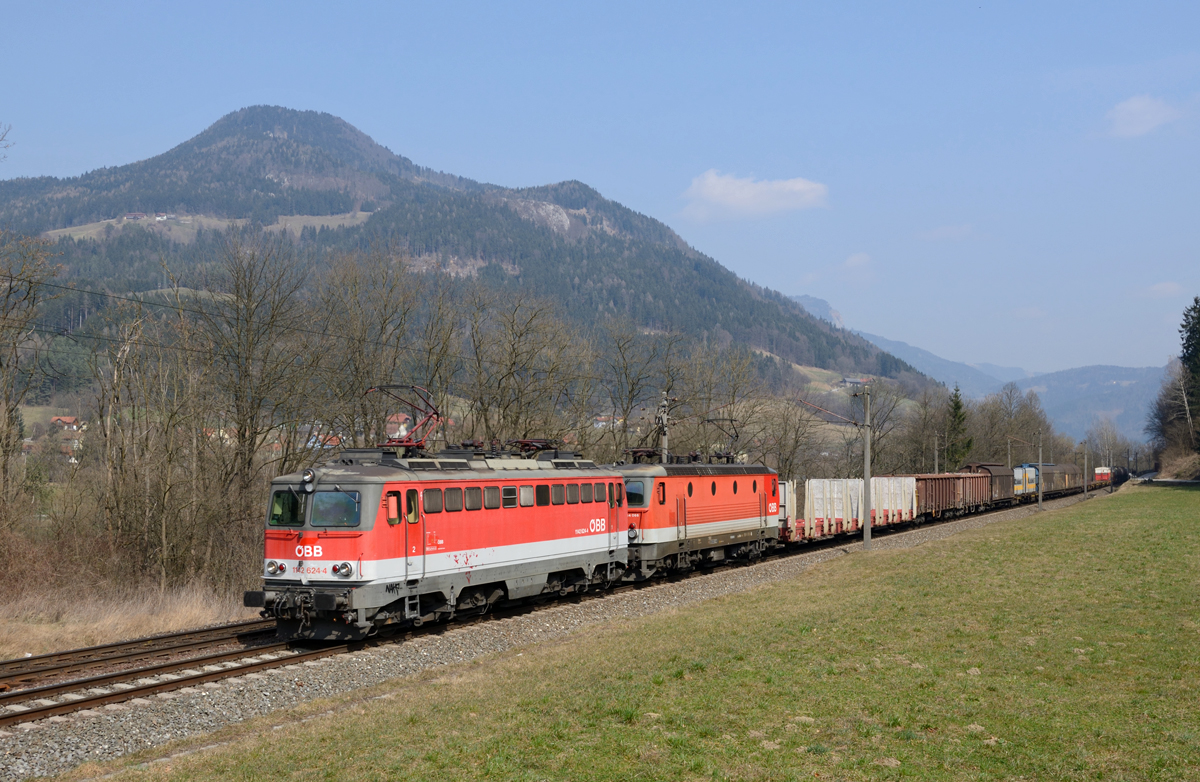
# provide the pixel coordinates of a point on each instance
(60, 743)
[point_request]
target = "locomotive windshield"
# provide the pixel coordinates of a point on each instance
(337, 508)
(636, 493)
(287, 509)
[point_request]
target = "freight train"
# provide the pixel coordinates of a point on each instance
(393, 537)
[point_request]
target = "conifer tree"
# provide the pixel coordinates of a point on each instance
(958, 444)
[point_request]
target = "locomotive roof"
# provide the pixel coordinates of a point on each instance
(382, 465)
(693, 469)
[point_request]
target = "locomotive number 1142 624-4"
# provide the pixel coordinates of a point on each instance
(594, 525)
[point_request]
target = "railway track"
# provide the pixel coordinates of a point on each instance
(24, 672)
(36, 701)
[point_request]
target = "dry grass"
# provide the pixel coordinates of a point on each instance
(1061, 646)
(65, 619)
(1185, 467)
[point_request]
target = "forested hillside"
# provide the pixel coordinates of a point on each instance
(597, 259)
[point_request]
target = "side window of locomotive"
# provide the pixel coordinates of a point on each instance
(491, 497)
(774, 486)
(572, 493)
(689, 488)
(600, 495)
(433, 500)
(557, 494)
(542, 492)
(454, 499)
(473, 498)
(585, 492)
(335, 509)
(754, 487)
(287, 509)
(392, 503)
(714, 488)
(637, 494)
(510, 496)
(526, 496)
(662, 493)
(620, 489)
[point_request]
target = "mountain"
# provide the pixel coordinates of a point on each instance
(564, 241)
(1074, 398)
(972, 382)
(820, 308)
(1005, 374)
(256, 163)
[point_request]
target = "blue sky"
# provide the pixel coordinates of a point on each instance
(1006, 183)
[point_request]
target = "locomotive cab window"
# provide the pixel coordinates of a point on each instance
(338, 508)
(473, 498)
(774, 486)
(637, 494)
(411, 511)
(393, 507)
(454, 499)
(662, 493)
(287, 509)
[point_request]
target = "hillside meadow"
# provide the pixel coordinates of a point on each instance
(1062, 646)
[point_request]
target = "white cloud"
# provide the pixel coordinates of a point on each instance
(1141, 114)
(716, 195)
(947, 233)
(858, 260)
(1164, 290)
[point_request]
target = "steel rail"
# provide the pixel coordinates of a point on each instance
(149, 643)
(42, 711)
(25, 677)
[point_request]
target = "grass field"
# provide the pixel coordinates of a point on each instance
(1062, 646)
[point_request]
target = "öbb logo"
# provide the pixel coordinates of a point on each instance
(307, 552)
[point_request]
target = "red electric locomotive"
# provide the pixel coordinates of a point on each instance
(393, 537)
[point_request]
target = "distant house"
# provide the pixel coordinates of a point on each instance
(397, 425)
(855, 382)
(160, 216)
(135, 215)
(68, 423)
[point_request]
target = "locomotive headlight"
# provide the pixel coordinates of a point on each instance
(345, 570)
(308, 476)
(272, 568)
(633, 533)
